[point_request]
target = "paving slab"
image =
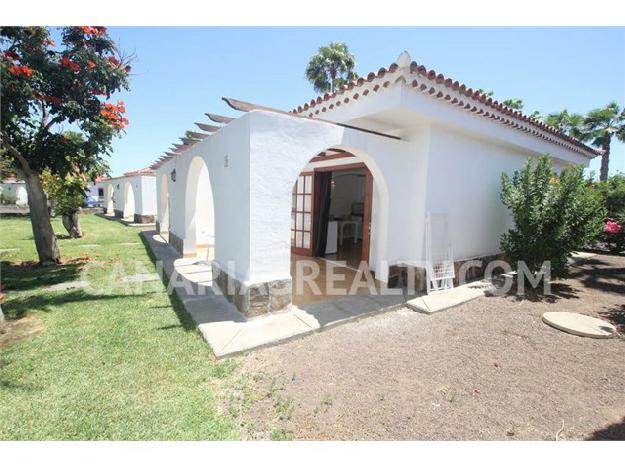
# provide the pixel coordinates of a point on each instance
(227, 331)
(139, 278)
(68, 285)
(127, 221)
(580, 324)
(259, 332)
(442, 300)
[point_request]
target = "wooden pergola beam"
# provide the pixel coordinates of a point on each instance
(243, 106)
(197, 135)
(219, 118)
(207, 127)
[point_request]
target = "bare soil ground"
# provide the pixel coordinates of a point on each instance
(489, 369)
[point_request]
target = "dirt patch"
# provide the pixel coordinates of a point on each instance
(20, 329)
(489, 369)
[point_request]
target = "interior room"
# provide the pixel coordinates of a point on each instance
(345, 216)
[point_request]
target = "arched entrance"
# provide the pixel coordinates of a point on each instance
(199, 211)
(331, 224)
(129, 201)
(163, 222)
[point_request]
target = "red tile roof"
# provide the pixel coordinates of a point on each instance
(143, 171)
(146, 171)
(453, 92)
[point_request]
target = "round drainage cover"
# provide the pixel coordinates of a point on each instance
(578, 324)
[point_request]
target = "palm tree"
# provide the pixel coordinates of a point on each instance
(330, 67)
(571, 124)
(516, 104)
(601, 125)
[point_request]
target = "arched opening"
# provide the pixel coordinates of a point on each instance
(129, 201)
(163, 222)
(108, 199)
(199, 212)
(332, 223)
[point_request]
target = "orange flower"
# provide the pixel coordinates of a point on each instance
(18, 70)
(66, 62)
(90, 64)
(114, 114)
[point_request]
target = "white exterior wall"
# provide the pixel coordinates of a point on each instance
(457, 159)
(448, 160)
(14, 193)
(226, 155)
(143, 191)
(163, 184)
(145, 195)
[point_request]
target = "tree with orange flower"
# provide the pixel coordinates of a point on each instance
(46, 87)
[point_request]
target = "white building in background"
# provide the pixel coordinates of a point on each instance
(131, 196)
(13, 192)
(401, 146)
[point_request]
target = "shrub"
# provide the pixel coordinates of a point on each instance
(67, 195)
(553, 215)
(613, 194)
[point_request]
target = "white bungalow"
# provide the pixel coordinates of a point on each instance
(385, 171)
(13, 192)
(131, 196)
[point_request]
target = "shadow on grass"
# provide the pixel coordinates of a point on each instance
(614, 431)
(186, 321)
(10, 384)
(27, 276)
(19, 306)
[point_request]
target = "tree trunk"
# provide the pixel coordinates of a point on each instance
(605, 160)
(1, 314)
(72, 224)
(45, 240)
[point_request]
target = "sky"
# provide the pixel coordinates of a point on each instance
(181, 73)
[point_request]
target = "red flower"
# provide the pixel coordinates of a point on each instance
(90, 64)
(99, 92)
(11, 55)
(113, 61)
(114, 114)
(26, 70)
(612, 227)
(52, 99)
(66, 62)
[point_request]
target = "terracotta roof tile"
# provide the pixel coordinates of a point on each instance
(422, 73)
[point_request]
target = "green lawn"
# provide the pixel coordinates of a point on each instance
(108, 362)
